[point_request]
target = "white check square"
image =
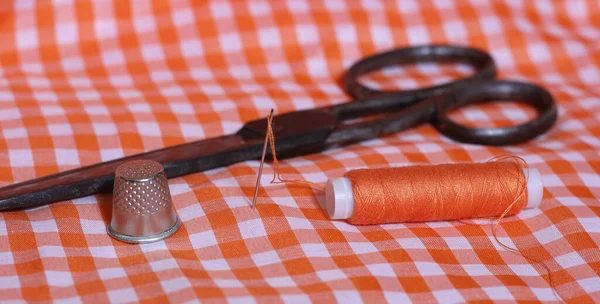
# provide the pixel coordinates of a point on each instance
(44, 226)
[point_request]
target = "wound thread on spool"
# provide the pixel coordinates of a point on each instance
(433, 192)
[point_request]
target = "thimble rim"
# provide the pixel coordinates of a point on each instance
(138, 180)
(143, 239)
(155, 170)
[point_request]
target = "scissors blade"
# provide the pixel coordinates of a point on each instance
(177, 161)
(295, 137)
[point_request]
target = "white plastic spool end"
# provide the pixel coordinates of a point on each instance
(339, 199)
(535, 188)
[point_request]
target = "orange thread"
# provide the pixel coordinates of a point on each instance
(496, 188)
(435, 193)
(277, 179)
(497, 223)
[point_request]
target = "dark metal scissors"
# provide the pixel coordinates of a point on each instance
(314, 130)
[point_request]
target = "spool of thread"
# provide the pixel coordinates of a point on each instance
(433, 192)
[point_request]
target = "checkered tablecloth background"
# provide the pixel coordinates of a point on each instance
(87, 81)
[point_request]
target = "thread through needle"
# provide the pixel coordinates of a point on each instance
(262, 160)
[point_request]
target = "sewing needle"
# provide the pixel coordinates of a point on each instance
(262, 160)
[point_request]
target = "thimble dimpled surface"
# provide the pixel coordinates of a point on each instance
(146, 195)
(142, 207)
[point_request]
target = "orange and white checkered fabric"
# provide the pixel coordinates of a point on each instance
(88, 81)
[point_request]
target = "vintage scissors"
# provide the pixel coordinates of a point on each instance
(314, 130)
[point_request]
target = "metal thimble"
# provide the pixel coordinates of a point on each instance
(142, 208)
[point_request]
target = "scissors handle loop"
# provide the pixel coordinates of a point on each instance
(482, 62)
(405, 109)
(496, 91)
